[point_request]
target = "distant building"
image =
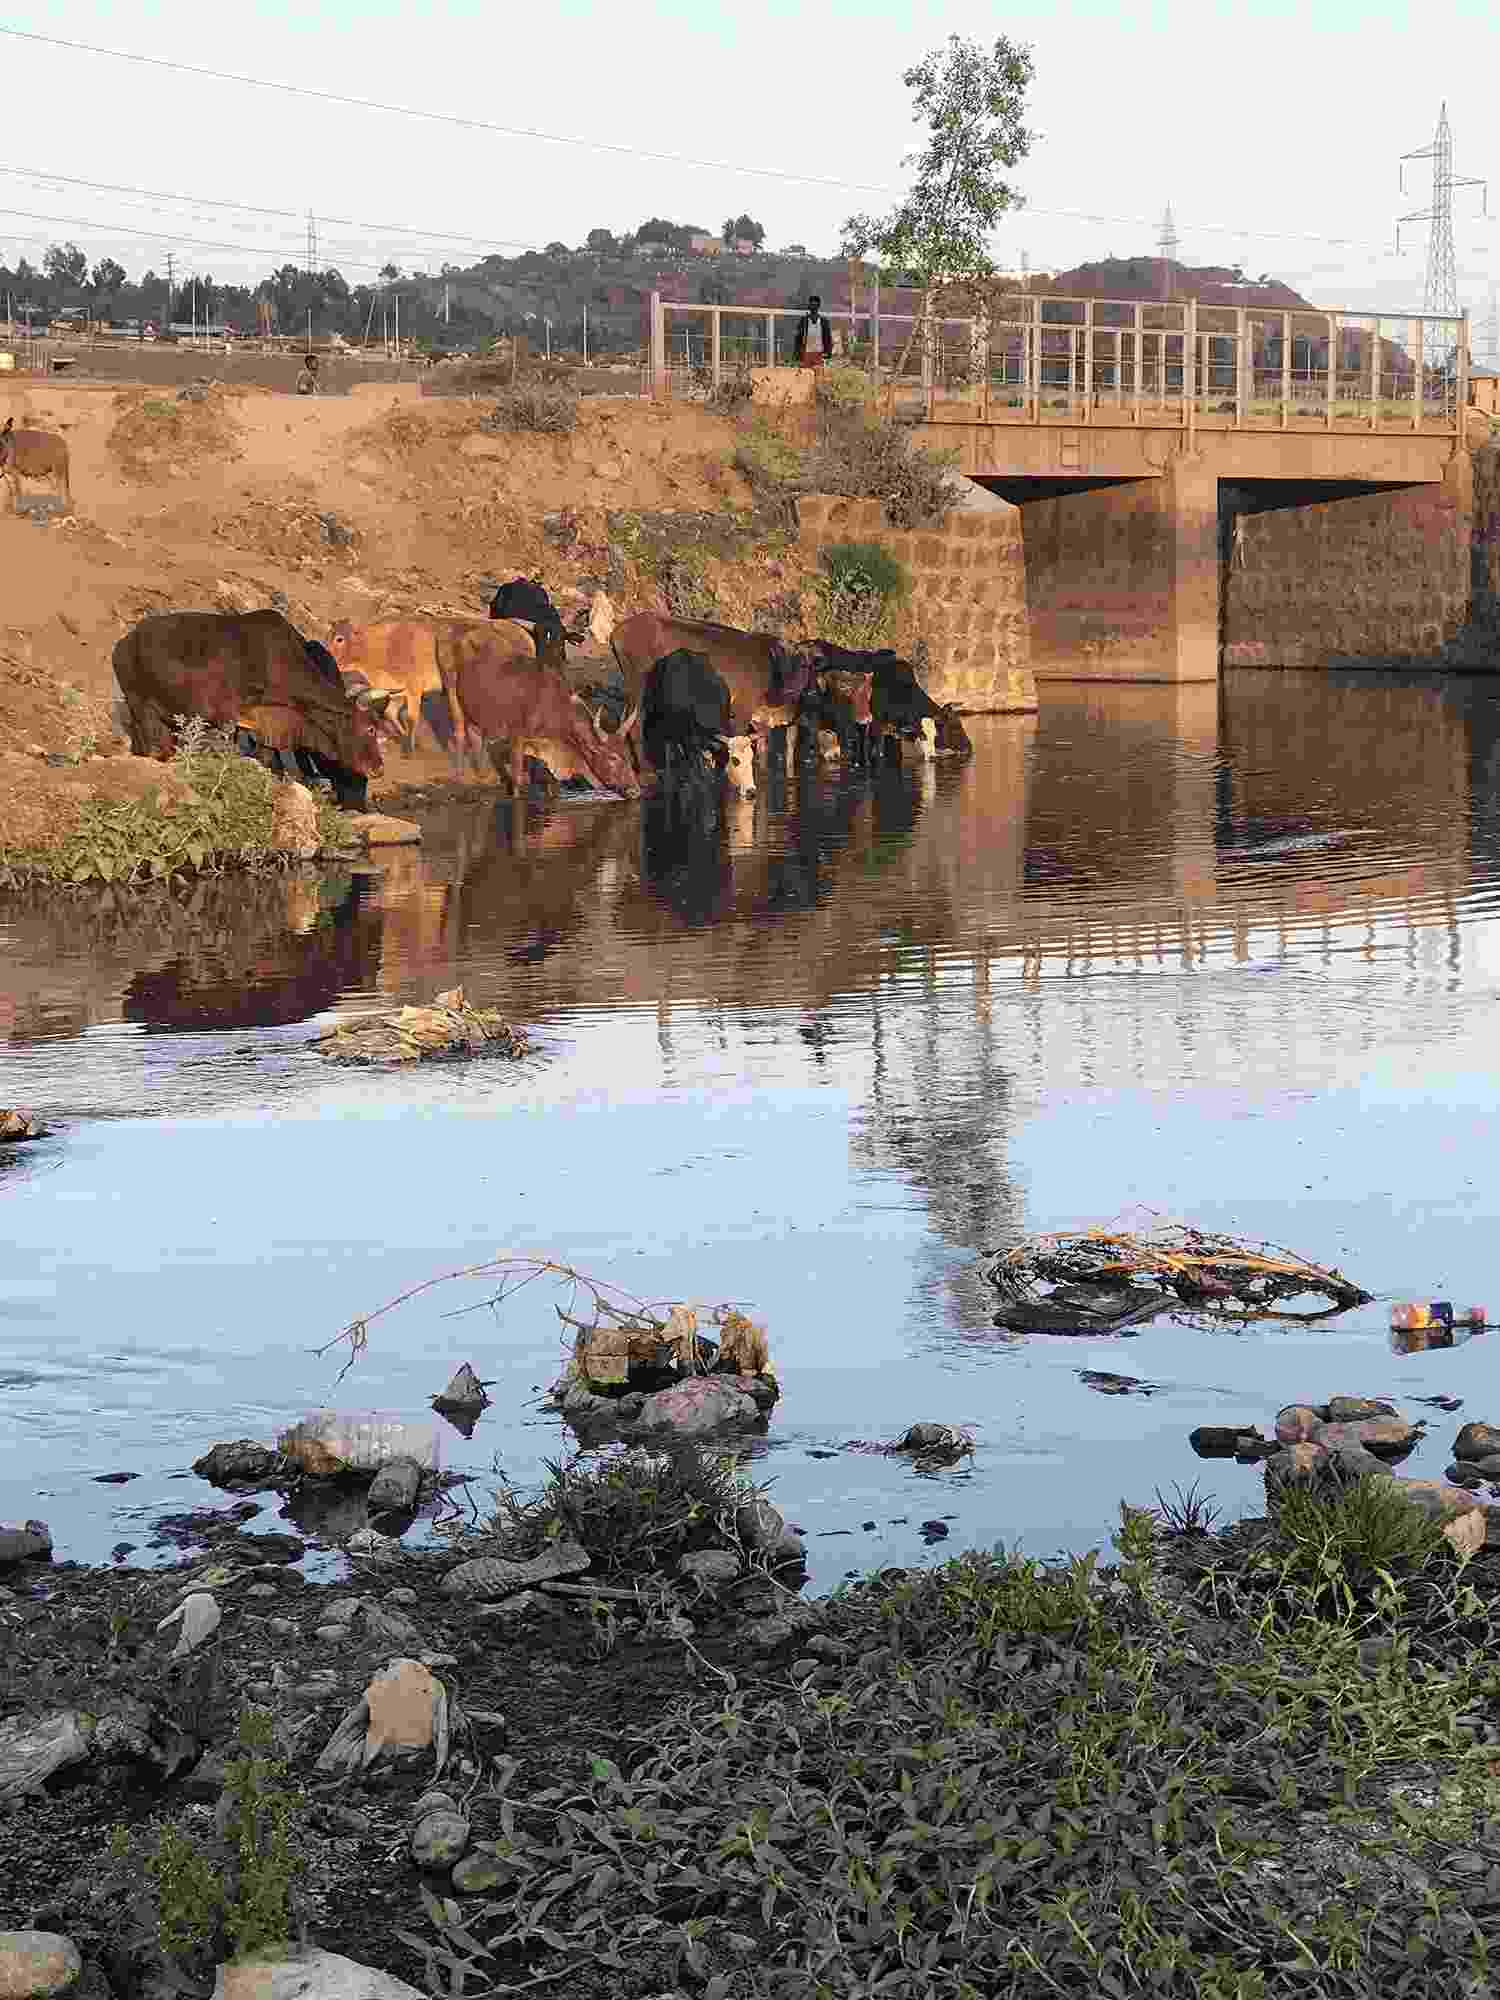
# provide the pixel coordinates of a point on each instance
(1484, 390)
(653, 249)
(706, 246)
(742, 247)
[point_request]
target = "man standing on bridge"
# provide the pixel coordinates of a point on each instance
(814, 336)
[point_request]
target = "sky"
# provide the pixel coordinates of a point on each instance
(1276, 134)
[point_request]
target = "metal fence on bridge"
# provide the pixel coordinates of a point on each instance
(1044, 360)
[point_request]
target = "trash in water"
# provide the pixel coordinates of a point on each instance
(449, 1027)
(1434, 1334)
(333, 1443)
(1115, 1385)
(1104, 1280)
(1447, 1403)
(20, 1124)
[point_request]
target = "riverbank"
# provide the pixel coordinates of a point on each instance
(1216, 1764)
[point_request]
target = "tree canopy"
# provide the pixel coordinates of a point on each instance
(971, 99)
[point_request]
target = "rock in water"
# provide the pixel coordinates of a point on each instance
(34, 1965)
(294, 821)
(698, 1406)
(382, 830)
(465, 1391)
(27, 1541)
(242, 1461)
(395, 1487)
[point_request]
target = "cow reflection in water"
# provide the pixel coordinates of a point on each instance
(535, 874)
(260, 955)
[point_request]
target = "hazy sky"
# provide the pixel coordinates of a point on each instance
(1270, 130)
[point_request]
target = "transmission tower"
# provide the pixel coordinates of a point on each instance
(1441, 297)
(312, 245)
(167, 317)
(1166, 243)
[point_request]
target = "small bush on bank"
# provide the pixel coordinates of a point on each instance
(544, 407)
(634, 1511)
(844, 388)
(238, 1895)
(223, 822)
(686, 585)
(867, 456)
(860, 588)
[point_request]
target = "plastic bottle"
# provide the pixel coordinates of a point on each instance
(1409, 1315)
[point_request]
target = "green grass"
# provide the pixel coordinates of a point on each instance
(226, 825)
(1006, 1779)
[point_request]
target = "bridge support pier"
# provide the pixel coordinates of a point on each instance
(1122, 577)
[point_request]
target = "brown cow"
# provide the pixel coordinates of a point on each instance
(33, 455)
(400, 656)
(515, 701)
(748, 662)
(250, 672)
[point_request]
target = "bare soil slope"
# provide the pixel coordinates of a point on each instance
(366, 506)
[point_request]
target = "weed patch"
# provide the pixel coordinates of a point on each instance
(1020, 1780)
(545, 407)
(860, 588)
(217, 815)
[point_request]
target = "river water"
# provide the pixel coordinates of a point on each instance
(1228, 955)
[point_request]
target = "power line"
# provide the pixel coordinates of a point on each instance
(636, 152)
(194, 242)
(256, 208)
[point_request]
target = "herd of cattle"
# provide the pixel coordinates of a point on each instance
(694, 697)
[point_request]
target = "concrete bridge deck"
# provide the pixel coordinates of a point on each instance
(1135, 436)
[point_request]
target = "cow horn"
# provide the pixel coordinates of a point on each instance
(629, 718)
(379, 702)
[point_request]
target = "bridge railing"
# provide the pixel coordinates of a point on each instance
(1043, 360)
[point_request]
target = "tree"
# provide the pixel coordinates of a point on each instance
(656, 229)
(600, 242)
(107, 277)
(744, 229)
(557, 250)
(65, 264)
(971, 100)
(390, 273)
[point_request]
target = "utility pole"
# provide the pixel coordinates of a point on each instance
(445, 302)
(1441, 296)
(312, 245)
(166, 325)
(1166, 244)
(549, 340)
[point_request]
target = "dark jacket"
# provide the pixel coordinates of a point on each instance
(804, 329)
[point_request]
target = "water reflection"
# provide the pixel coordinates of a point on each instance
(1070, 975)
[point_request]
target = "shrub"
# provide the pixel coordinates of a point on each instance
(239, 1894)
(844, 388)
(534, 406)
(860, 589)
(775, 469)
(686, 585)
(634, 1511)
(866, 456)
(227, 823)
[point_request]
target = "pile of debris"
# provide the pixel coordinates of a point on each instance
(449, 1028)
(633, 1374)
(18, 1124)
(1108, 1280)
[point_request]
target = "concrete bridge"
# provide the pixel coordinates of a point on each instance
(1139, 438)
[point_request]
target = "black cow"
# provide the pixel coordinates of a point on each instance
(525, 599)
(323, 662)
(686, 708)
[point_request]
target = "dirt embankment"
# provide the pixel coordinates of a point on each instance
(375, 504)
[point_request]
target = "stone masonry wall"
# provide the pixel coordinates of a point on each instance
(1384, 578)
(1099, 583)
(968, 596)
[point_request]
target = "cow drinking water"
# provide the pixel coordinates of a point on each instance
(246, 672)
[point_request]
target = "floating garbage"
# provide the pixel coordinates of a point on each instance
(634, 1371)
(20, 1124)
(1108, 1280)
(449, 1027)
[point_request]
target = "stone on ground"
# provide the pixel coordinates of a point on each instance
(309, 1975)
(25, 1541)
(495, 1576)
(294, 821)
(37, 1964)
(382, 829)
(33, 1747)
